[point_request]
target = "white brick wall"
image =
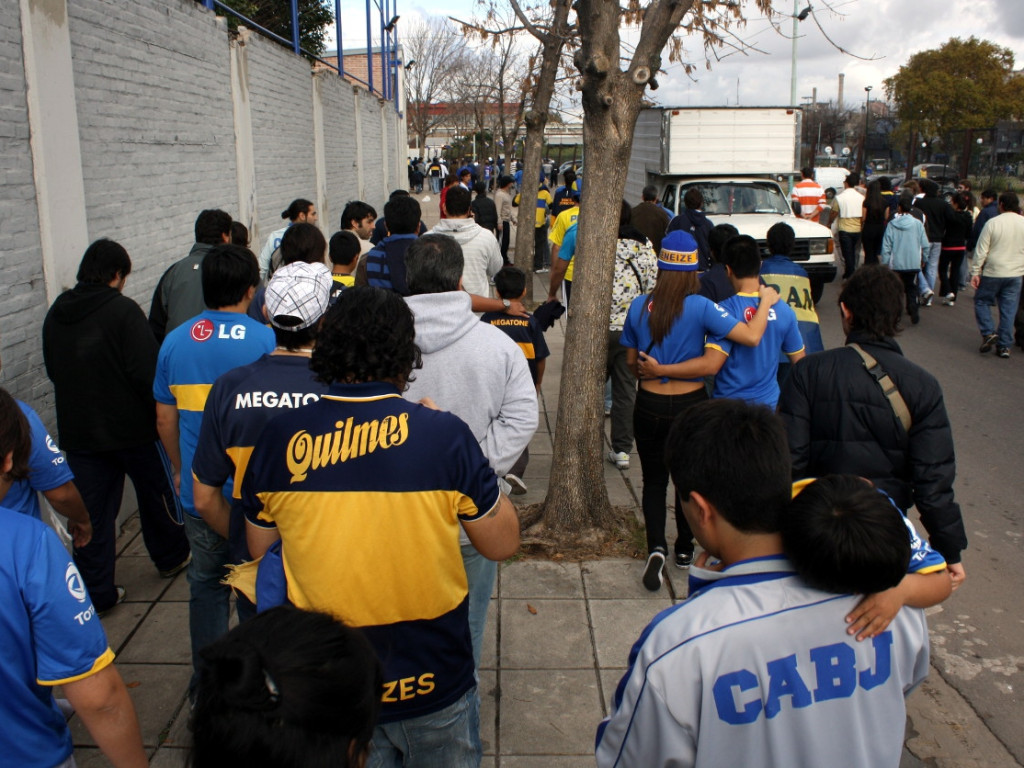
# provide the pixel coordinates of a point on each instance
(156, 128)
(22, 291)
(280, 97)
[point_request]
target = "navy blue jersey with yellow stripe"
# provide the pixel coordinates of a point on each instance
(750, 373)
(524, 331)
(192, 357)
(240, 404)
(367, 492)
(794, 286)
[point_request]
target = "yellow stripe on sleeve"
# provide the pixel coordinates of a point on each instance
(105, 660)
(527, 348)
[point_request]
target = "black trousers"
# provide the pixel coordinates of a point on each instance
(541, 251)
(506, 234)
(653, 415)
(99, 477)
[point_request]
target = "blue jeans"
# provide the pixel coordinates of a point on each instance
(210, 601)
(435, 184)
(441, 739)
(480, 573)
(1003, 292)
(848, 245)
(930, 269)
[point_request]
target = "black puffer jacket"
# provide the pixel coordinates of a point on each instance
(838, 421)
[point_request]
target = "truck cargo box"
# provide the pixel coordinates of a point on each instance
(715, 141)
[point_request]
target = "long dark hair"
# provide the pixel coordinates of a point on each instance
(666, 301)
(874, 203)
(289, 689)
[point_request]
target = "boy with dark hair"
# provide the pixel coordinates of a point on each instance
(748, 373)
(344, 251)
(845, 536)
(385, 262)
(510, 283)
(755, 668)
(904, 248)
(794, 286)
(715, 283)
(191, 359)
(692, 219)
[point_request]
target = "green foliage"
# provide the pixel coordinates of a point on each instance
(276, 15)
(961, 85)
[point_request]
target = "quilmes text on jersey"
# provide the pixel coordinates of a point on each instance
(306, 452)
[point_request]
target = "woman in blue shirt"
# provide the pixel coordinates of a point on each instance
(670, 325)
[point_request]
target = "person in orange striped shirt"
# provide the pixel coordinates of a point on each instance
(810, 196)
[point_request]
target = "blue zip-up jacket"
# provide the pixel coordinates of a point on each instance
(904, 243)
(385, 263)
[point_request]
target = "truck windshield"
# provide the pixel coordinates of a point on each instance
(727, 197)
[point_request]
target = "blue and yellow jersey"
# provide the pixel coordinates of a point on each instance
(192, 357)
(561, 225)
(48, 469)
(368, 493)
(923, 559)
(751, 373)
(524, 331)
(791, 281)
(50, 635)
(240, 404)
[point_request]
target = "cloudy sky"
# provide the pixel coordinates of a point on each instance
(882, 33)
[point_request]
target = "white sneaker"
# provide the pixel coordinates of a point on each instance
(518, 486)
(620, 460)
(652, 578)
(949, 300)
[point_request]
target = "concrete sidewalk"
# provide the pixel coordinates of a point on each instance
(557, 643)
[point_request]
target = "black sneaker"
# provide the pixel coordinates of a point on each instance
(653, 571)
(684, 559)
(987, 342)
(121, 594)
(170, 573)
(1002, 352)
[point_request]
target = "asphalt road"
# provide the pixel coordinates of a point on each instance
(978, 634)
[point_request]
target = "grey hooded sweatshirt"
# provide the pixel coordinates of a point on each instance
(479, 250)
(475, 371)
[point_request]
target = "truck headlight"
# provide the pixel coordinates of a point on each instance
(821, 245)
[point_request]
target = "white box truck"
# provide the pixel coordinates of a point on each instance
(734, 156)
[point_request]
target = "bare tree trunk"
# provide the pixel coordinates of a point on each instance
(577, 496)
(536, 119)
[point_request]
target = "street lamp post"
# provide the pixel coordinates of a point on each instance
(864, 144)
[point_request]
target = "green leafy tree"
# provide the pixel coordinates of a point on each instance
(276, 16)
(961, 86)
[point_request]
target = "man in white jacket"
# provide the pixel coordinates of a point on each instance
(480, 250)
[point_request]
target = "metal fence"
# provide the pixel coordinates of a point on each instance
(382, 63)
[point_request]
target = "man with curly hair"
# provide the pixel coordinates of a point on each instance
(367, 493)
